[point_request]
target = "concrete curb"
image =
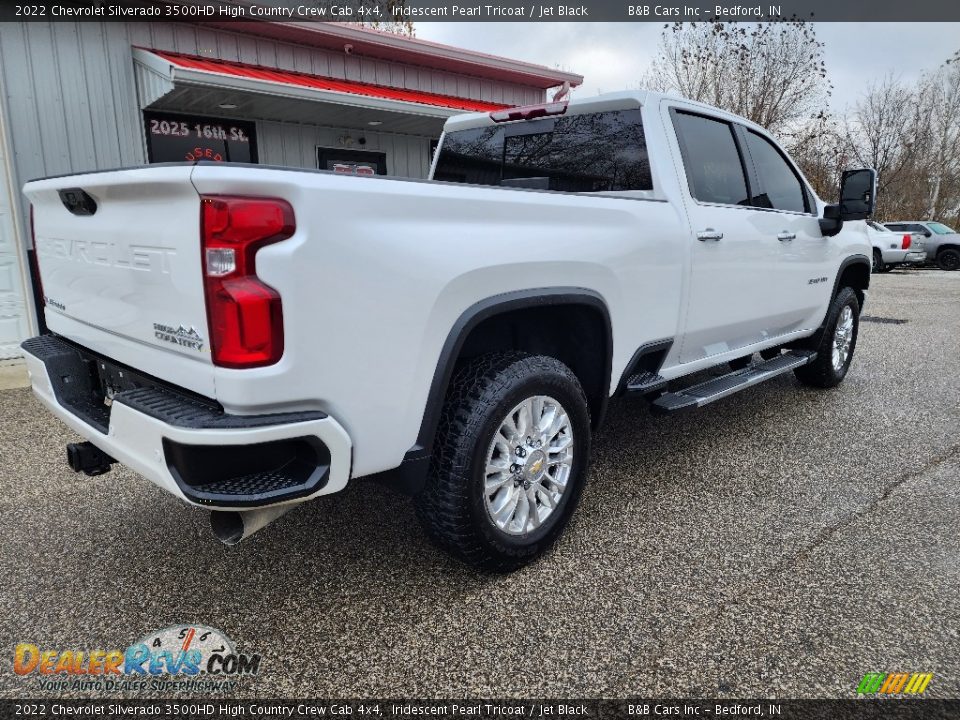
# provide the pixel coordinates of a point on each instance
(13, 374)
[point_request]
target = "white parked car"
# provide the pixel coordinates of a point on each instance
(892, 249)
(250, 338)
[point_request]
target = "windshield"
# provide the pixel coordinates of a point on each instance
(941, 229)
(878, 227)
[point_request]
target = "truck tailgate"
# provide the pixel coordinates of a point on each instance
(120, 264)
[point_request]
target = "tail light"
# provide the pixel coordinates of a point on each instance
(907, 240)
(35, 266)
(244, 313)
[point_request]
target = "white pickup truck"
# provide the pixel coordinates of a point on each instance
(250, 338)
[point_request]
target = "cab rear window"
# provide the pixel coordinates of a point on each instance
(590, 152)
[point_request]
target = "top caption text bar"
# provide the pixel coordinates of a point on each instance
(480, 11)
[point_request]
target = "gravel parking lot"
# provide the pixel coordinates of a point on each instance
(779, 543)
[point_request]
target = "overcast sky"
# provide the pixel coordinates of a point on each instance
(612, 56)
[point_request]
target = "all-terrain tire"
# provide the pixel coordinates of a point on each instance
(453, 505)
(878, 266)
(823, 372)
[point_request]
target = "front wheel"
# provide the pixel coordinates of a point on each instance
(509, 460)
(836, 344)
(948, 259)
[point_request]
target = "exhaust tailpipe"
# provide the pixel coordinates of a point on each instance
(232, 526)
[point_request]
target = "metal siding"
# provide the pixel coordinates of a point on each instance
(368, 71)
(248, 50)
(151, 86)
(185, 38)
(352, 67)
(285, 58)
(228, 47)
(73, 90)
(295, 145)
(24, 132)
(127, 118)
(14, 322)
(267, 54)
(206, 42)
(140, 35)
(50, 116)
(322, 64)
(302, 60)
(161, 37)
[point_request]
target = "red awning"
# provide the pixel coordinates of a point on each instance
(316, 82)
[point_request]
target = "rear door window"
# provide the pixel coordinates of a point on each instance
(715, 170)
(589, 152)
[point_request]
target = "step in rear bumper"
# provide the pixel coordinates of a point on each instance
(203, 456)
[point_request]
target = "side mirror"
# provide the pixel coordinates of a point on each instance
(858, 194)
(858, 198)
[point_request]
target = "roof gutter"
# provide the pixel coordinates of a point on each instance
(200, 78)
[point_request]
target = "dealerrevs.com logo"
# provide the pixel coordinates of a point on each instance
(181, 657)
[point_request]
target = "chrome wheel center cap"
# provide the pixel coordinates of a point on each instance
(535, 465)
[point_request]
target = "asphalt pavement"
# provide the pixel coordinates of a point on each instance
(779, 543)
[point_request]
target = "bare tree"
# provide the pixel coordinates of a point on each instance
(881, 132)
(382, 15)
(819, 148)
(772, 73)
(938, 135)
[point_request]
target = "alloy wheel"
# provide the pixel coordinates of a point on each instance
(528, 465)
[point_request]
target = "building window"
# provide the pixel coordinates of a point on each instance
(352, 162)
(172, 137)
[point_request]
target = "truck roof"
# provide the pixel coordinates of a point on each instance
(597, 103)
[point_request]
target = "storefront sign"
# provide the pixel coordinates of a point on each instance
(172, 137)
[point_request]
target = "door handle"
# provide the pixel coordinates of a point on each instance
(786, 236)
(709, 234)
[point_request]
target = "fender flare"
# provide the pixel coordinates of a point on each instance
(849, 261)
(483, 310)
(409, 477)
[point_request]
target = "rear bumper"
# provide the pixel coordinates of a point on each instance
(903, 257)
(190, 447)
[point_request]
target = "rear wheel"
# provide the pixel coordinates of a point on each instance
(948, 259)
(836, 344)
(508, 468)
(878, 266)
